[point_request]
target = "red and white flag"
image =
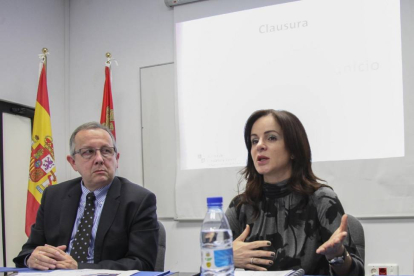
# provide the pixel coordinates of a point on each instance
(107, 113)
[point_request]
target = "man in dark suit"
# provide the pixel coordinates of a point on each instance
(124, 231)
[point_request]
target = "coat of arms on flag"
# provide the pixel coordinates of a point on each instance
(42, 164)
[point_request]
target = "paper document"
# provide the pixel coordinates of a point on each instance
(263, 273)
(81, 272)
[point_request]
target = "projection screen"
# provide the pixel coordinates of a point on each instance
(337, 65)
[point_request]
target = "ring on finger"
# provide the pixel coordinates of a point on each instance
(251, 260)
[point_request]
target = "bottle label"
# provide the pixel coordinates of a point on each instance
(213, 259)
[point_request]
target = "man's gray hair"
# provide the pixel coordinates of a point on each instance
(90, 125)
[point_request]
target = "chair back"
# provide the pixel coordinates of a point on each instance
(356, 233)
(162, 240)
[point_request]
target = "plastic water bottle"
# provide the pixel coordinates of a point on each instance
(216, 241)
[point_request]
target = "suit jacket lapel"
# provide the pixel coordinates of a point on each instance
(109, 211)
(69, 210)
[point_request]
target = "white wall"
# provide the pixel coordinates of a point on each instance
(138, 33)
(25, 28)
(390, 242)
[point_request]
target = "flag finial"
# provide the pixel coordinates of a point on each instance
(43, 56)
(108, 59)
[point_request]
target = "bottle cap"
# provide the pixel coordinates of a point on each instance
(214, 201)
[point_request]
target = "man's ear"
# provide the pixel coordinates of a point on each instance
(117, 159)
(71, 161)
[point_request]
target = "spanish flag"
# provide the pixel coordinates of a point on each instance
(42, 171)
(107, 113)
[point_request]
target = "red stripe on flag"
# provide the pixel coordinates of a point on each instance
(42, 94)
(31, 212)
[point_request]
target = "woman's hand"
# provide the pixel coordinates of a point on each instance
(246, 256)
(334, 246)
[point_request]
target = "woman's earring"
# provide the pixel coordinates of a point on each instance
(292, 157)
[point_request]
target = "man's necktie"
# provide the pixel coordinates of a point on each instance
(80, 245)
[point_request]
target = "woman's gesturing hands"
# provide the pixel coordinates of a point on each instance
(334, 246)
(246, 254)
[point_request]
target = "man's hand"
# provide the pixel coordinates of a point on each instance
(65, 261)
(245, 253)
(46, 257)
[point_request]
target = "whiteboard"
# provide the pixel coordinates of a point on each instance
(158, 135)
(16, 156)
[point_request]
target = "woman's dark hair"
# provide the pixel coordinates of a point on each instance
(303, 180)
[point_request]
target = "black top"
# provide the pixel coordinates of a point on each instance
(296, 225)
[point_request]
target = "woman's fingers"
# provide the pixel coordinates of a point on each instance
(344, 223)
(258, 264)
(246, 254)
(262, 254)
(334, 245)
(260, 261)
(243, 256)
(243, 236)
(257, 244)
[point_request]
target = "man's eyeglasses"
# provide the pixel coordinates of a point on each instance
(88, 153)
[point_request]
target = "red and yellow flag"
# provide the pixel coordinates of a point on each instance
(42, 171)
(107, 113)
